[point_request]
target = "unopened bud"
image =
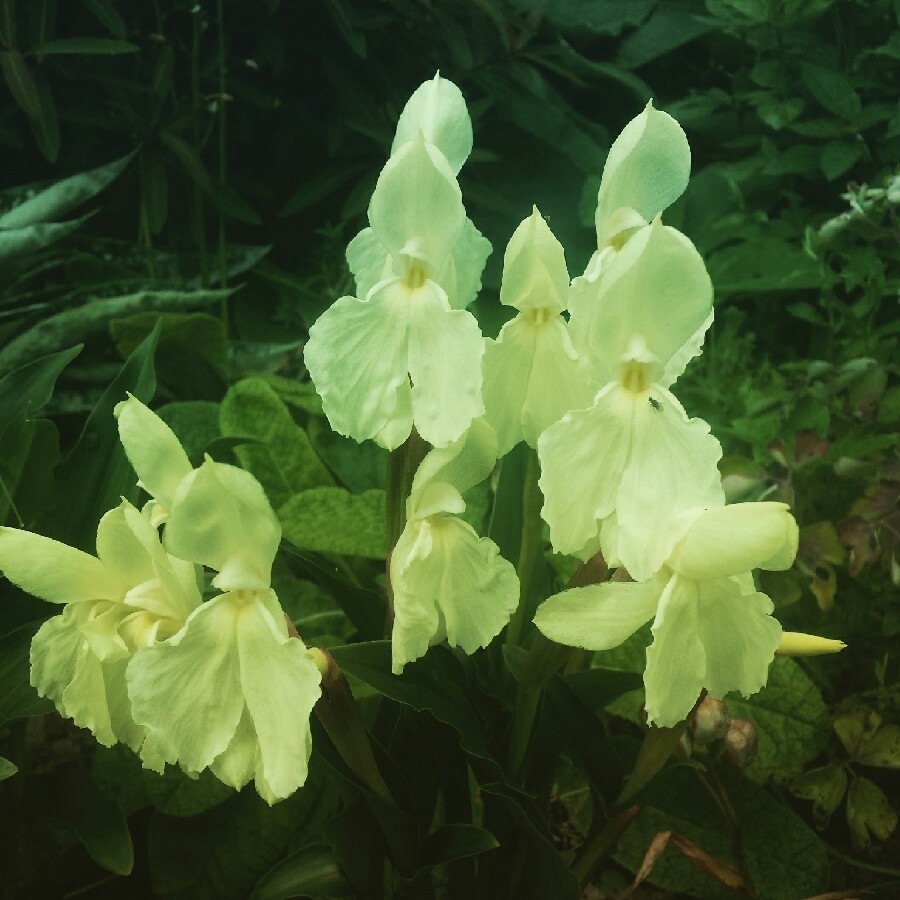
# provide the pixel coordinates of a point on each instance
(320, 659)
(795, 643)
(741, 742)
(685, 746)
(710, 721)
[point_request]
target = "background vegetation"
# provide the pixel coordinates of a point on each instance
(207, 163)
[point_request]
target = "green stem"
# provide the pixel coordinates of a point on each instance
(544, 658)
(601, 844)
(197, 204)
(402, 465)
(339, 715)
(223, 255)
(529, 547)
(659, 744)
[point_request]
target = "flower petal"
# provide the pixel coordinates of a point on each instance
(739, 634)
(154, 452)
(463, 463)
(582, 459)
(599, 616)
(657, 287)
(676, 660)
(647, 169)
(53, 571)
(281, 686)
(223, 520)
(126, 556)
(416, 209)
(460, 276)
(445, 350)
(357, 355)
(369, 261)
(671, 473)
(729, 540)
(187, 690)
(55, 650)
(448, 580)
(437, 110)
(534, 268)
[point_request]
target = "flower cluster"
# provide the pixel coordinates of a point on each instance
(624, 469)
(139, 657)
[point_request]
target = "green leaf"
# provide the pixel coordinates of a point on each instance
(105, 13)
(832, 90)
(839, 156)
(762, 264)
(45, 202)
(664, 31)
(599, 16)
(96, 473)
(332, 520)
(790, 718)
(323, 184)
(526, 848)
(869, 813)
(883, 749)
(7, 769)
(825, 787)
(584, 736)
(176, 794)
(84, 46)
(18, 699)
(45, 124)
(98, 822)
(312, 872)
(783, 856)
(28, 388)
(456, 841)
(93, 318)
(192, 352)
(20, 82)
(30, 454)
(195, 423)
(223, 852)
(16, 243)
(431, 684)
(283, 460)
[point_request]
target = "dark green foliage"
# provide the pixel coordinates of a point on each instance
(179, 183)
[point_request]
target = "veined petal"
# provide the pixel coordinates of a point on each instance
(53, 571)
(187, 691)
(676, 660)
(507, 372)
(236, 765)
(433, 498)
(656, 287)
(560, 381)
(449, 581)
(729, 540)
(55, 650)
(691, 348)
(416, 209)
(582, 459)
(463, 463)
(84, 698)
(127, 556)
(357, 355)
(599, 616)
(647, 169)
(445, 350)
(437, 110)
(417, 622)
(152, 449)
(369, 261)
(534, 268)
(223, 520)
(671, 473)
(739, 634)
(460, 276)
(281, 686)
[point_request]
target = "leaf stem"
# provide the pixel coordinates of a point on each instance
(532, 528)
